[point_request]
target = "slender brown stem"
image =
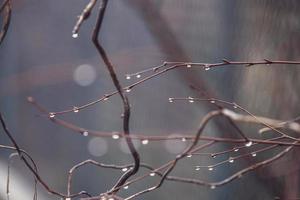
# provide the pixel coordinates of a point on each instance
(6, 8)
(126, 105)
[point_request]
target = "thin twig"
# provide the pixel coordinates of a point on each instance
(32, 169)
(83, 16)
(174, 65)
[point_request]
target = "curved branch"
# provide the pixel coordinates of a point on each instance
(124, 98)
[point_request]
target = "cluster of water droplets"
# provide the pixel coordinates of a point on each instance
(129, 76)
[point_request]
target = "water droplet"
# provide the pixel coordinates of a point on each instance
(171, 100)
(138, 76)
(75, 35)
(128, 90)
(231, 160)
(85, 133)
(236, 150)
(188, 66)
(75, 109)
(189, 156)
(212, 101)
(253, 154)
(125, 187)
(51, 115)
(115, 136)
(235, 106)
(212, 187)
(152, 174)
(155, 69)
(144, 142)
(210, 168)
(197, 168)
(206, 67)
(191, 100)
(128, 77)
(175, 146)
(183, 139)
(124, 169)
(249, 144)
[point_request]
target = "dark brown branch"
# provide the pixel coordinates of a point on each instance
(6, 8)
(124, 98)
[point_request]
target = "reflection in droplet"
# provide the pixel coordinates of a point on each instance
(249, 144)
(115, 136)
(191, 100)
(75, 109)
(206, 67)
(125, 187)
(75, 35)
(85, 133)
(144, 142)
(152, 174)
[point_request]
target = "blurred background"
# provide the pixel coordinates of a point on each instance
(40, 58)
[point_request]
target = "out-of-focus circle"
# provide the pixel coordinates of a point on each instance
(97, 147)
(124, 147)
(175, 146)
(84, 75)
